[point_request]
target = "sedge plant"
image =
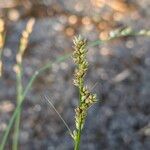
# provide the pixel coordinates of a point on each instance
(86, 99)
(18, 68)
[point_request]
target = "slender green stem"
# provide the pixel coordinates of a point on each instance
(19, 98)
(132, 33)
(11, 121)
(16, 130)
(78, 139)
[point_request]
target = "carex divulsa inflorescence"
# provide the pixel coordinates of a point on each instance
(86, 99)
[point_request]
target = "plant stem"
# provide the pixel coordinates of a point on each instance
(16, 130)
(77, 141)
(19, 98)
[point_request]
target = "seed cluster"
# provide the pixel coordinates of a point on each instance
(2, 24)
(25, 39)
(86, 98)
(79, 57)
(23, 44)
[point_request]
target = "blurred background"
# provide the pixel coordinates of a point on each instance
(121, 68)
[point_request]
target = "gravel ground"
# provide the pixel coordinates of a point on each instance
(121, 68)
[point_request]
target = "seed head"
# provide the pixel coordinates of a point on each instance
(86, 98)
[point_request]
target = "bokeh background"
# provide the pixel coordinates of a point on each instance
(121, 68)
